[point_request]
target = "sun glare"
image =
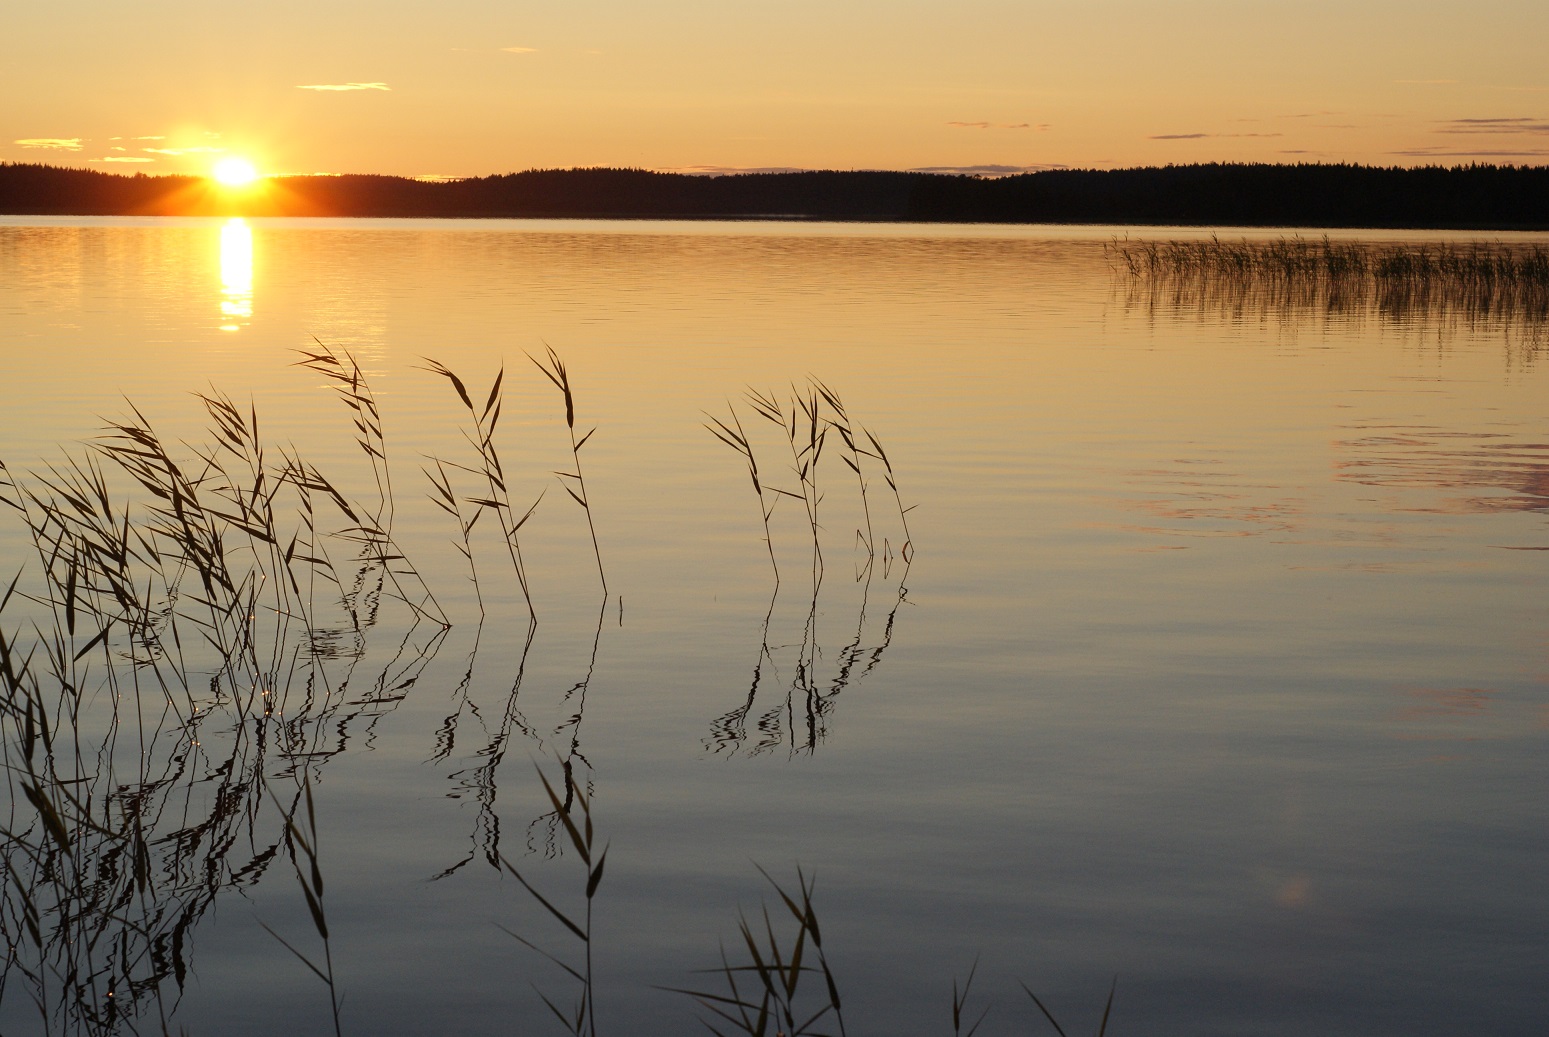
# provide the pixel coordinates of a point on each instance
(235, 172)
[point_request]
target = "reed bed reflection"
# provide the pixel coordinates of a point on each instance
(1492, 287)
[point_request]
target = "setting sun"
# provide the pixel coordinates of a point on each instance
(235, 172)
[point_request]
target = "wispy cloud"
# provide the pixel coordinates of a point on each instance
(121, 158)
(1204, 136)
(988, 169)
(183, 151)
(728, 170)
(1518, 124)
(1431, 152)
(997, 125)
(519, 50)
(54, 143)
(342, 87)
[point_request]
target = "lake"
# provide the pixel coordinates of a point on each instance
(1204, 644)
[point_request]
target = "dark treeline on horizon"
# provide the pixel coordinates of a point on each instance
(1306, 195)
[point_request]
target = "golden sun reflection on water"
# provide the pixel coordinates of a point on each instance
(236, 273)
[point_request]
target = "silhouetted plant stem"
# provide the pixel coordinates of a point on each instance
(907, 550)
(1102, 1027)
(735, 437)
(555, 371)
(778, 1002)
(498, 498)
(851, 456)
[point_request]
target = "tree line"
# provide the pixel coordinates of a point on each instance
(1306, 195)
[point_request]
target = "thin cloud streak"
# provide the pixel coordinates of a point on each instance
(1515, 124)
(988, 169)
(1429, 152)
(1204, 136)
(728, 170)
(519, 50)
(51, 143)
(996, 125)
(343, 87)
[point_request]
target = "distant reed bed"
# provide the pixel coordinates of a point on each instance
(1483, 286)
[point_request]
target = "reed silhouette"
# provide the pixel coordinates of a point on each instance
(797, 717)
(204, 626)
(777, 983)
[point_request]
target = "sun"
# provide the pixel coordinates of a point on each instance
(234, 172)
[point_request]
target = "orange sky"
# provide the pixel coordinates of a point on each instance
(470, 87)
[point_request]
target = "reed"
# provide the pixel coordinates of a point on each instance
(487, 467)
(1486, 285)
(839, 421)
(735, 437)
(805, 420)
(374, 530)
(199, 620)
(1102, 1025)
(189, 629)
(772, 999)
(763, 994)
(554, 369)
(805, 439)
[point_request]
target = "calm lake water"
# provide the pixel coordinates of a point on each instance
(1217, 659)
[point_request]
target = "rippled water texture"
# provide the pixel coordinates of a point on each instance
(1214, 656)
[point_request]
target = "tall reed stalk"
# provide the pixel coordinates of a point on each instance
(556, 372)
(497, 498)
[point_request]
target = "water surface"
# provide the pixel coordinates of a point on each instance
(1218, 659)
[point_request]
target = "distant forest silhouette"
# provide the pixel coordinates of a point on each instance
(1307, 195)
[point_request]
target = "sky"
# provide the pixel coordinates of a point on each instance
(475, 87)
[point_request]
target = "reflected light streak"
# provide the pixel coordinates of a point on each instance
(236, 273)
